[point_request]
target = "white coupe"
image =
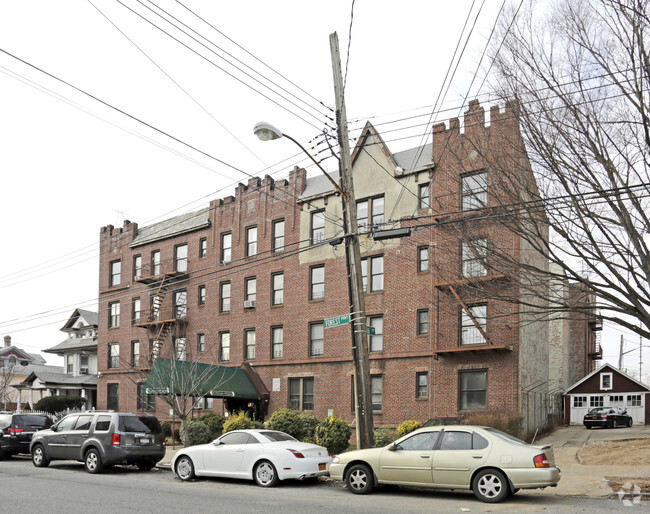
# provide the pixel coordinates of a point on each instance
(265, 456)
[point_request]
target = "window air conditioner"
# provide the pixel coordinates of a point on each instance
(249, 304)
(83, 371)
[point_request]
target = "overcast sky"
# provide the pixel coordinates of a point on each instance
(72, 163)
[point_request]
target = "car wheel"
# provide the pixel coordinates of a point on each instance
(265, 474)
(629, 422)
(360, 479)
(588, 427)
(185, 468)
(146, 465)
(490, 486)
(614, 423)
(39, 458)
(93, 461)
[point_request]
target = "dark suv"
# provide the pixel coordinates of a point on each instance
(16, 431)
(101, 438)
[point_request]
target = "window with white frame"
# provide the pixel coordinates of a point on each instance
(469, 331)
(277, 342)
(137, 267)
(203, 247)
(250, 291)
(377, 391)
(606, 381)
(224, 297)
(634, 400)
(423, 259)
(249, 337)
(135, 354)
(423, 196)
(376, 265)
(113, 355)
(278, 235)
(316, 338)
(473, 255)
(421, 384)
(224, 346)
(474, 190)
(226, 247)
(423, 322)
(200, 343)
(370, 213)
(596, 401)
(180, 257)
(155, 262)
(317, 227)
(616, 399)
(113, 314)
(301, 394)
(135, 311)
(251, 241)
(472, 389)
(116, 273)
(579, 401)
(277, 288)
(201, 295)
(376, 342)
(317, 282)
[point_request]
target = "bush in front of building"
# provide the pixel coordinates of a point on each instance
(197, 433)
(384, 436)
(214, 421)
(334, 434)
(287, 421)
(309, 424)
(406, 427)
(508, 422)
(55, 404)
(238, 421)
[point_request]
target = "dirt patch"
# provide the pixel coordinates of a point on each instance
(630, 485)
(629, 452)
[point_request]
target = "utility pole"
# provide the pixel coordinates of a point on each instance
(363, 397)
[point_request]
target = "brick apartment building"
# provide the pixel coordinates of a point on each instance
(249, 281)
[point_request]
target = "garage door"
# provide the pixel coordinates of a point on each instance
(634, 403)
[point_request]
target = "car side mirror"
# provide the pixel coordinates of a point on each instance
(392, 447)
(216, 442)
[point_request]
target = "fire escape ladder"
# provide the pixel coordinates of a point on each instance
(471, 316)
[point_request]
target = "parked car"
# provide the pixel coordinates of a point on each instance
(265, 456)
(17, 429)
(101, 438)
(611, 417)
(491, 463)
(438, 422)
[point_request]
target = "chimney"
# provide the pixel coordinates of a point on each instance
(7, 341)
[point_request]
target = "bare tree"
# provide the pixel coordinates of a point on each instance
(7, 374)
(578, 76)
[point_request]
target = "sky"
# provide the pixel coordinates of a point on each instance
(109, 112)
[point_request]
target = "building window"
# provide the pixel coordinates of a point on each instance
(422, 384)
(249, 337)
(112, 397)
(616, 399)
(224, 346)
(224, 297)
(474, 255)
(180, 258)
(316, 338)
(423, 196)
(226, 247)
(277, 288)
(423, 321)
(376, 391)
(251, 241)
(201, 295)
(155, 262)
(317, 227)
(83, 363)
(474, 191)
(135, 353)
(472, 389)
(579, 401)
(200, 343)
(634, 400)
(137, 267)
(317, 282)
(423, 259)
(250, 292)
(70, 366)
(180, 304)
(203, 247)
(146, 402)
(135, 311)
(180, 351)
(277, 342)
(113, 314)
(469, 332)
(116, 273)
(301, 394)
(370, 213)
(605, 381)
(278, 235)
(376, 265)
(377, 340)
(596, 401)
(113, 355)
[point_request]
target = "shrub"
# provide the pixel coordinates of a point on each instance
(166, 428)
(214, 421)
(197, 433)
(54, 404)
(334, 434)
(406, 427)
(288, 421)
(309, 423)
(384, 436)
(238, 421)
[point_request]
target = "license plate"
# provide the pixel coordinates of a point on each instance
(322, 467)
(145, 440)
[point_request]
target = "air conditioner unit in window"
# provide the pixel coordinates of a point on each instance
(249, 304)
(83, 371)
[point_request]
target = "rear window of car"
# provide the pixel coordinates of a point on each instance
(277, 436)
(32, 421)
(140, 424)
(504, 436)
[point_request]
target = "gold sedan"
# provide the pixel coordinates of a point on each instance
(491, 463)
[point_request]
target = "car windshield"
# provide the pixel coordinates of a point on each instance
(504, 436)
(144, 424)
(599, 410)
(277, 436)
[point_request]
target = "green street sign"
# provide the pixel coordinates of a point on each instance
(370, 330)
(337, 321)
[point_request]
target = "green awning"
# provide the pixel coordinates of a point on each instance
(187, 378)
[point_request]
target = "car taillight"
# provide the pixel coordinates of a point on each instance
(541, 461)
(14, 431)
(296, 453)
(115, 440)
(605, 416)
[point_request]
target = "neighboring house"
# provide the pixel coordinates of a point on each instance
(15, 366)
(78, 377)
(607, 386)
(251, 279)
